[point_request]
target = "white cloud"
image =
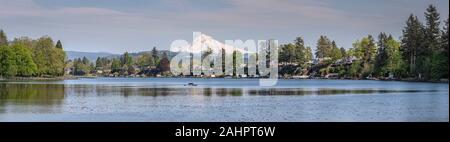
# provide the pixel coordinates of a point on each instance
(113, 29)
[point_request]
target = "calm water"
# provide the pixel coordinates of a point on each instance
(156, 99)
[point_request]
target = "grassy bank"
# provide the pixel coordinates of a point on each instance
(36, 78)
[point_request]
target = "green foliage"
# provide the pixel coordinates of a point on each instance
(422, 52)
(16, 60)
(82, 66)
(343, 52)
(355, 70)
(8, 65)
(308, 54)
(288, 53)
(102, 63)
(27, 57)
(3, 38)
(381, 58)
(324, 47)
(394, 62)
(24, 61)
(115, 66)
(59, 45)
(413, 40)
(335, 53)
(145, 60)
(296, 54)
(126, 60)
(439, 66)
(364, 49)
(155, 56)
(432, 31)
(49, 59)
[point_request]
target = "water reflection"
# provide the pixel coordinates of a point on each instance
(51, 94)
(39, 94)
(45, 95)
(162, 101)
(325, 91)
(54, 93)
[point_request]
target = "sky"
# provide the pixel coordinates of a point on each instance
(117, 26)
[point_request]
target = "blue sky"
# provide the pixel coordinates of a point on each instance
(122, 25)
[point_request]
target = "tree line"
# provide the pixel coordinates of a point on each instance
(26, 57)
(146, 63)
(420, 53)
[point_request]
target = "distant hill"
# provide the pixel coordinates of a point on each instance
(204, 39)
(92, 56)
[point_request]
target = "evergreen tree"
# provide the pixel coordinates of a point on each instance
(59, 45)
(444, 68)
(380, 60)
(82, 66)
(439, 57)
(3, 38)
(365, 51)
(432, 30)
(116, 66)
(300, 51)
(335, 52)
(144, 60)
(155, 56)
(308, 54)
(323, 47)
(432, 56)
(444, 38)
(288, 53)
(98, 63)
(394, 61)
(126, 60)
(343, 52)
(412, 44)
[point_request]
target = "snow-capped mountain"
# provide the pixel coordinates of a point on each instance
(208, 42)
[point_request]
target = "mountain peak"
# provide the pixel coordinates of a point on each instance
(206, 42)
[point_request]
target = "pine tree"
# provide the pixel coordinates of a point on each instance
(444, 38)
(432, 58)
(59, 45)
(432, 31)
(155, 56)
(381, 59)
(412, 44)
(3, 38)
(299, 51)
(343, 52)
(144, 60)
(115, 66)
(308, 54)
(335, 52)
(323, 47)
(126, 60)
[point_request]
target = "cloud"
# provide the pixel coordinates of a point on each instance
(119, 24)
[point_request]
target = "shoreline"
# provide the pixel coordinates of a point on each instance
(37, 78)
(62, 78)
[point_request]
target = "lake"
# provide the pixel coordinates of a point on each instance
(224, 100)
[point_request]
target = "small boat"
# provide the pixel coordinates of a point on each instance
(191, 84)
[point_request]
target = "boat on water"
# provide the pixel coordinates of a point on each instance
(191, 84)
